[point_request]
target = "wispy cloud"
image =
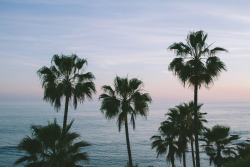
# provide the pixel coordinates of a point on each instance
(25, 63)
(230, 15)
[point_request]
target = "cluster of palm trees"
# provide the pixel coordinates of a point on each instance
(177, 131)
(65, 79)
(51, 145)
(197, 65)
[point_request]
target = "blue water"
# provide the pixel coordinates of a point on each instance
(108, 145)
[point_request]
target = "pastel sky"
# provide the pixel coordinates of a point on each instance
(122, 37)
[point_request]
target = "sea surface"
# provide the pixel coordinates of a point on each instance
(108, 147)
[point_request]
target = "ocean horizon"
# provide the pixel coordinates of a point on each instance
(108, 144)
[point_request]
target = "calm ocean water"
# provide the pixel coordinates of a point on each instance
(108, 145)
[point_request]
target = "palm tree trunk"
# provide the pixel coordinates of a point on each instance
(197, 152)
(219, 159)
(128, 143)
(184, 158)
(66, 112)
(192, 149)
(172, 161)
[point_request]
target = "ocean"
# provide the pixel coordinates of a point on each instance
(108, 147)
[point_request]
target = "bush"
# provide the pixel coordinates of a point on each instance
(243, 162)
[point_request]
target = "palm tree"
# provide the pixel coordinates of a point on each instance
(197, 65)
(179, 117)
(51, 146)
(167, 141)
(217, 138)
(65, 78)
(125, 99)
(166, 144)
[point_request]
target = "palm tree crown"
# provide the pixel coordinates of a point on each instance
(125, 99)
(65, 78)
(217, 140)
(196, 60)
(51, 146)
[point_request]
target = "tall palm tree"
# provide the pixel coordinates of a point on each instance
(65, 78)
(125, 99)
(51, 146)
(197, 65)
(217, 138)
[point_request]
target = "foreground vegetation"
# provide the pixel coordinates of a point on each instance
(52, 146)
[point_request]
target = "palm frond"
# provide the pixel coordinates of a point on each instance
(141, 102)
(110, 106)
(214, 66)
(135, 84)
(122, 86)
(85, 77)
(215, 50)
(121, 120)
(132, 120)
(82, 91)
(83, 156)
(109, 90)
(80, 62)
(26, 158)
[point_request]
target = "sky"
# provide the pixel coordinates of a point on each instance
(122, 38)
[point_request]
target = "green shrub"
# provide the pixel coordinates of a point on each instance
(243, 162)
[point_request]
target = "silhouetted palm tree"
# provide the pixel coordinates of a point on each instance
(65, 78)
(51, 146)
(166, 145)
(125, 99)
(217, 138)
(197, 65)
(180, 118)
